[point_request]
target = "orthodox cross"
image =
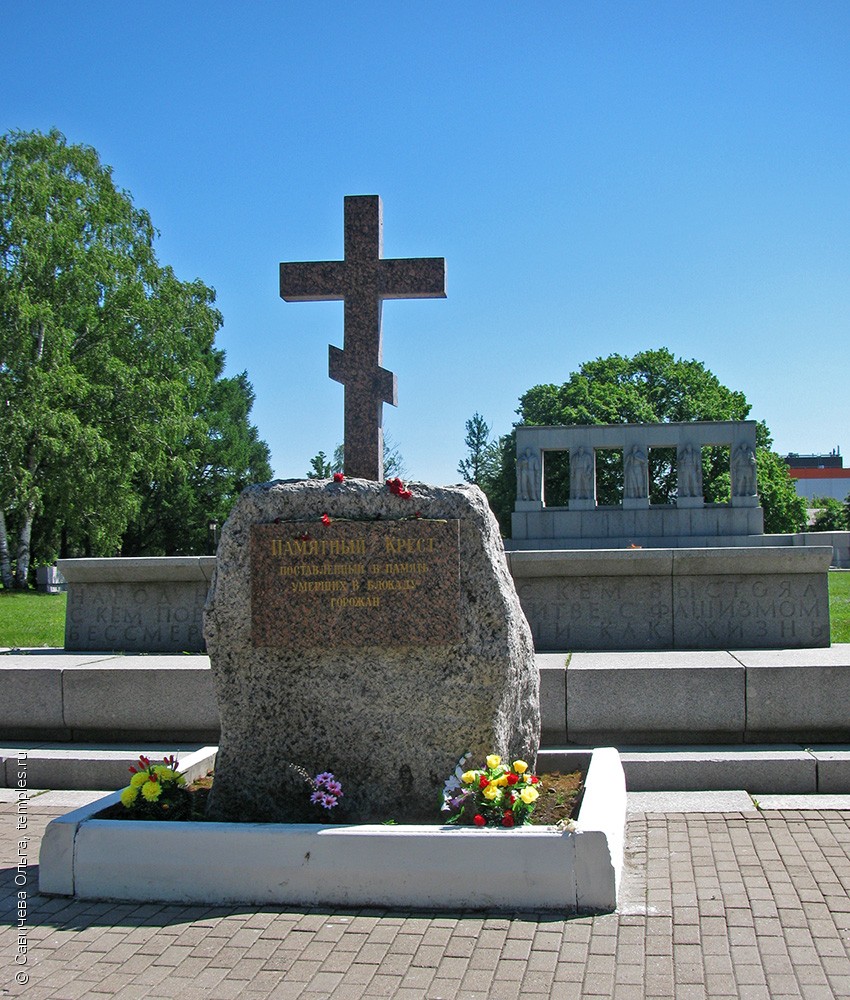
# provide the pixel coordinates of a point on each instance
(363, 280)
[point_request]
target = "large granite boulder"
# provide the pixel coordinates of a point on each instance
(374, 635)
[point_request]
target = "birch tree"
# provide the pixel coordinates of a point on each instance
(105, 356)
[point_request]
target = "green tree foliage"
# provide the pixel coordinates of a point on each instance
(106, 358)
(653, 386)
(226, 456)
(831, 516)
(499, 482)
(482, 460)
(784, 510)
(320, 467)
(323, 468)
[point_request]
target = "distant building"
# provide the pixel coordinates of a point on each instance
(820, 475)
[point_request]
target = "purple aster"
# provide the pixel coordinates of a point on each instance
(323, 778)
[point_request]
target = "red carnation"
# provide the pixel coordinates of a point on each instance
(479, 820)
(396, 486)
(513, 778)
(534, 779)
(508, 819)
(338, 477)
(484, 781)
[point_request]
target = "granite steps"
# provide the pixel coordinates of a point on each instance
(45, 695)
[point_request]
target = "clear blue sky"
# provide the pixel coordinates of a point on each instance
(601, 177)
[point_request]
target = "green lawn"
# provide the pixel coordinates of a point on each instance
(839, 606)
(28, 618)
(32, 619)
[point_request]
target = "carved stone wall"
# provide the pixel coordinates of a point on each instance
(636, 520)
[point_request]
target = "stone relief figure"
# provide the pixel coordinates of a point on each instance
(581, 474)
(690, 471)
(521, 474)
(528, 475)
(635, 473)
(743, 471)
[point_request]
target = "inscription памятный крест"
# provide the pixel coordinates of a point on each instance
(354, 583)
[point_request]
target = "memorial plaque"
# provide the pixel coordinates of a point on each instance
(355, 583)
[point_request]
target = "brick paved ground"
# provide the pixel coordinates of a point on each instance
(714, 905)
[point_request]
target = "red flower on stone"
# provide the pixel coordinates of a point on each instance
(508, 819)
(396, 487)
(325, 519)
(534, 779)
(484, 781)
(338, 477)
(479, 820)
(513, 779)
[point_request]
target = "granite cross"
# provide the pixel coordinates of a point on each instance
(363, 280)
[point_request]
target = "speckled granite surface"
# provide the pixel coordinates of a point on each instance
(389, 719)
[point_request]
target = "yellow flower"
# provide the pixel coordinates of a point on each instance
(493, 760)
(491, 792)
(468, 777)
(529, 794)
(128, 796)
(501, 781)
(520, 766)
(151, 791)
(138, 779)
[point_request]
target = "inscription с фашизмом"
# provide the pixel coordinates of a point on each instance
(355, 583)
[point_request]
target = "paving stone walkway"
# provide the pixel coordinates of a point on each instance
(733, 905)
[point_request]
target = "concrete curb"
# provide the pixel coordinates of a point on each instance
(411, 866)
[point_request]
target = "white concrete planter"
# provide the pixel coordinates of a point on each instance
(306, 865)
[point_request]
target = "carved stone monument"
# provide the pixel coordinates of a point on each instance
(638, 575)
(358, 629)
(363, 280)
(637, 521)
(380, 646)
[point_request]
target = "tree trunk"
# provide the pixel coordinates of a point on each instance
(5, 559)
(23, 562)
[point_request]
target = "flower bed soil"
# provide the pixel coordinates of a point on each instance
(559, 801)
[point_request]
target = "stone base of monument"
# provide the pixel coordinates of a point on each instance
(681, 599)
(432, 867)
